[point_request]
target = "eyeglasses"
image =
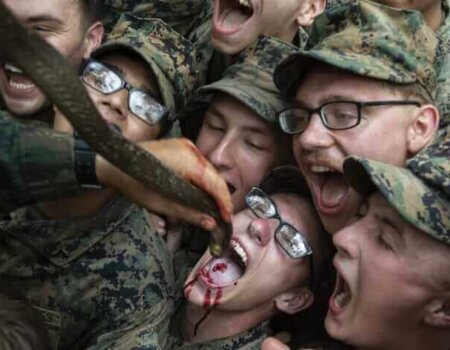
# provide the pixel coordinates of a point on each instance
(339, 115)
(105, 80)
(290, 239)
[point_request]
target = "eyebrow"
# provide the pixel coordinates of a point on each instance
(45, 18)
(248, 128)
(122, 74)
(326, 99)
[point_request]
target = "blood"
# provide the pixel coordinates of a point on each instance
(207, 300)
(221, 267)
(218, 297)
(188, 287)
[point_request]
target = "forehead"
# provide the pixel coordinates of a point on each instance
(235, 113)
(29, 9)
(322, 80)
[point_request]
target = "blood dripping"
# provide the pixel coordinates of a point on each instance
(188, 287)
(208, 296)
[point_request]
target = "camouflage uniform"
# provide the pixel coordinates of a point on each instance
(105, 281)
(92, 280)
(249, 80)
(183, 15)
(443, 66)
(367, 39)
(420, 193)
(35, 164)
(249, 340)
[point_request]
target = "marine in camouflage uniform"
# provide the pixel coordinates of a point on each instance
(249, 81)
(105, 281)
(406, 238)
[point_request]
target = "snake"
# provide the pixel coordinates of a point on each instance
(57, 79)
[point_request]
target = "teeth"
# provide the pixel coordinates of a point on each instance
(320, 169)
(12, 68)
(245, 3)
(20, 86)
(239, 251)
(341, 299)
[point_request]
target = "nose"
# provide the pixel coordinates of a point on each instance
(222, 153)
(346, 241)
(261, 231)
(315, 136)
(115, 105)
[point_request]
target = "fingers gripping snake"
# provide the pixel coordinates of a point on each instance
(49, 70)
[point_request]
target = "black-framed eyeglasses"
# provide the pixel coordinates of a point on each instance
(290, 239)
(106, 81)
(338, 115)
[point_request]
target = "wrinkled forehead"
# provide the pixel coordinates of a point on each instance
(34, 9)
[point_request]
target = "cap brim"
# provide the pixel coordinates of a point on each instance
(417, 203)
(290, 72)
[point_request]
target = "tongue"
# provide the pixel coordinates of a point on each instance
(233, 18)
(223, 271)
(333, 190)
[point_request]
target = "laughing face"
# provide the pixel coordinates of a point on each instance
(389, 276)
(240, 282)
(382, 135)
(60, 23)
(241, 145)
(238, 23)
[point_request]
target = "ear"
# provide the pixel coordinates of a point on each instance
(309, 10)
(295, 301)
(93, 38)
(422, 128)
(438, 313)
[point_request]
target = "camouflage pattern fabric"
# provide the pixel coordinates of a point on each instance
(249, 340)
(443, 67)
(35, 164)
(420, 192)
(367, 39)
(99, 282)
(249, 79)
(166, 52)
(183, 15)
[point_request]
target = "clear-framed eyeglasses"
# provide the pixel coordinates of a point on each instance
(106, 81)
(338, 115)
(290, 239)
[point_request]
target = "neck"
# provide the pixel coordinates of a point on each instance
(219, 324)
(85, 204)
(434, 16)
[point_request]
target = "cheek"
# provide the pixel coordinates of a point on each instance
(206, 141)
(137, 131)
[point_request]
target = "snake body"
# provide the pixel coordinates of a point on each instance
(49, 70)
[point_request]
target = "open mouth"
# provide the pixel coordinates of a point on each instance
(231, 188)
(231, 15)
(16, 79)
(331, 189)
(227, 270)
(341, 296)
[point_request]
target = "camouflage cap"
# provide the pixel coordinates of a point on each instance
(166, 52)
(368, 39)
(249, 79)
(420, 192)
